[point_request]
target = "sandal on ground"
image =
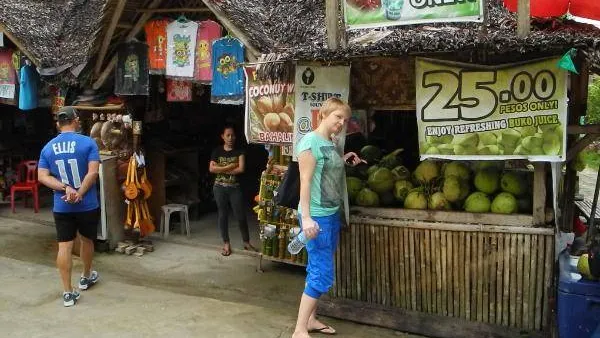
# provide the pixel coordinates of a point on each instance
(226, 252)
(324, 330)
(249, 247)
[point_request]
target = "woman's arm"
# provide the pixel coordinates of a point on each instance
(214, 168)
(241, 166)
(307, 164)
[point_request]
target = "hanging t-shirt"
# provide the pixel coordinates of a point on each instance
(8, 76)
(156, 38)
(28, 90)
(181, 42)
(208, 32)
(179, 91)
(131, 77)
(228, 74)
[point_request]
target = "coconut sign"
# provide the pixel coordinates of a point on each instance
(473, 112)
(382, 13)
(269, 110)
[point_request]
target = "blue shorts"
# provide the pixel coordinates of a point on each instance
(321, 251)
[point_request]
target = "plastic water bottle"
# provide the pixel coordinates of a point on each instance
(298, 243)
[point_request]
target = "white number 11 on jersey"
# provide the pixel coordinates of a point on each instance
(74, 172)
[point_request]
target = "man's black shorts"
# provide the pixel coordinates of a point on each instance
(68, 223)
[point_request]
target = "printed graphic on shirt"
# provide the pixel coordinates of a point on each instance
(181, 50)
(223, 161)
(203, 52)
(227, 64)
(132, 67)
(179, 91)
(331, 177)
(156, 38)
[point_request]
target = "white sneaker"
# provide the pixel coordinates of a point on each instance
(87, 282)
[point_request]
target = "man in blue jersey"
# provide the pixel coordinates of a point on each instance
(69, 165)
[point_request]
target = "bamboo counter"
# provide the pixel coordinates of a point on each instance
(494, 280)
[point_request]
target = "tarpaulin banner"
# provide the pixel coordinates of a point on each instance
(269, 110)
(314, 85)
(383, 13)
(473, 112)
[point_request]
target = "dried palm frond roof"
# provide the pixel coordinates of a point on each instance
(56, 33)
(295, 29)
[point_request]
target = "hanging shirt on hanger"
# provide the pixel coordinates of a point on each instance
(179, 91)
(8, 75)
(208, 32)
(181, 42)
(228, 74)
(156, 38)
(131, 76)
(28, 90)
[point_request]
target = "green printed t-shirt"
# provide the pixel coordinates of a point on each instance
(327, 181)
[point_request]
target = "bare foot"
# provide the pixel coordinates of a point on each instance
(226, 251)
(301, 335)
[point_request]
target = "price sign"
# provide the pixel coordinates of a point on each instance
(480, 112)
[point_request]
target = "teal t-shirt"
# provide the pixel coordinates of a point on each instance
(327, 182)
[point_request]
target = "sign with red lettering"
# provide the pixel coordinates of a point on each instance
(314, 85)
(269, 110)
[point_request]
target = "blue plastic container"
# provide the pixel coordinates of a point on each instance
(579, 309)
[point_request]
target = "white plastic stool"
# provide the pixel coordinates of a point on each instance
(165, 218)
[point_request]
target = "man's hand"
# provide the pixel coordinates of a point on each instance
(71, 195)
(310, 227)
(352, 159)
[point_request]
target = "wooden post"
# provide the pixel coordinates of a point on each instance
(19, 45)
(230, 26)
(539, 194)
(109, 34)
(332, 10)
(577, 108)
(523, 18)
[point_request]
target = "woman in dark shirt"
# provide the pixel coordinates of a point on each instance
(227, 163)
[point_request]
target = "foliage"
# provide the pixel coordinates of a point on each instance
(593, 105)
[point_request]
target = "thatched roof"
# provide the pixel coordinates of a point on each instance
(56, 33)
(296, 30)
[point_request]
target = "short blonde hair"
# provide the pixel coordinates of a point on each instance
(333, 104)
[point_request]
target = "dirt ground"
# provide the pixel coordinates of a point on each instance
(178, 290)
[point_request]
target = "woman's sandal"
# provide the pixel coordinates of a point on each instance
(226, 251)
(249, 247)
(324, 330)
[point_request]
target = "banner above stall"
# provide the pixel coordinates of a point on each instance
(475, 112)
(383, 13)
(269, 110)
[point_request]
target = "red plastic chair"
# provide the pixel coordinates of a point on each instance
(28, 171)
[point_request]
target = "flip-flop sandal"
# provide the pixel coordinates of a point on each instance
(250, 248)
(323, 330)
(225, 252)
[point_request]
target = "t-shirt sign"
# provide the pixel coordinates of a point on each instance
(327, 182)
(225, 157)
(131, 76)
(228, 74)
(156, 38)
(208, 32)
(181, 41)
(66, 157)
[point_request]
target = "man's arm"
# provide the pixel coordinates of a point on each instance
(90, 178)
(50, 181)
(53, 183)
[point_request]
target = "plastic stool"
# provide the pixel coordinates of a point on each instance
(165, 218)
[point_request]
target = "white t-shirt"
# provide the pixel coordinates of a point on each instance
(181, 47)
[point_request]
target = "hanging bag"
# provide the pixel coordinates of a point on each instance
(288, 193)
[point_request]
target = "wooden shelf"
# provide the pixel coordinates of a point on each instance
(107, 107)
(280, 260)
(447, 216)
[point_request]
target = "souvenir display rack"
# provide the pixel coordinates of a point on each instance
(276, 223)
